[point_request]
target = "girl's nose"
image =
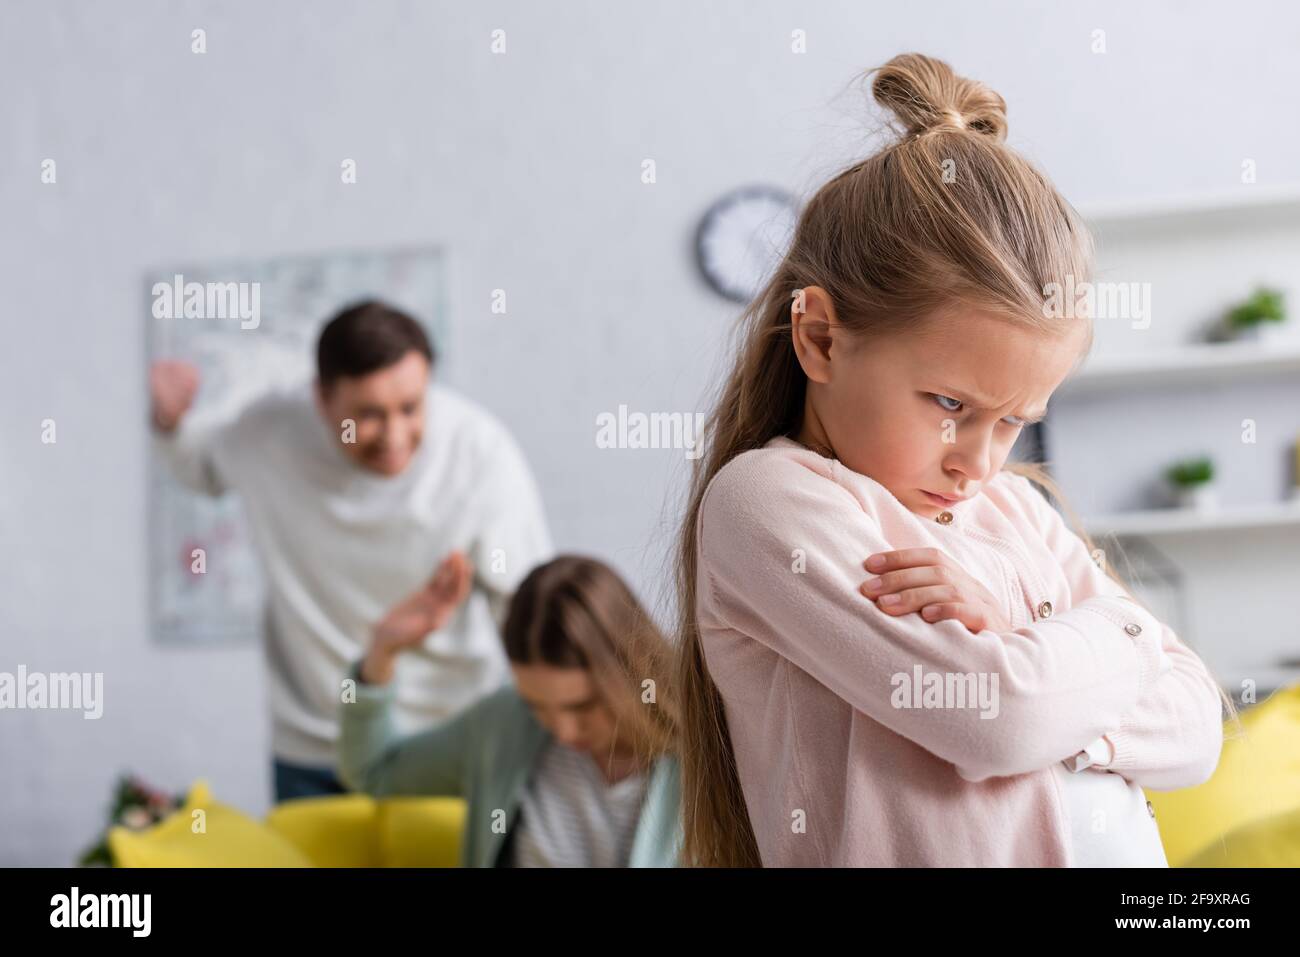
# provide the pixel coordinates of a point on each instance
(970, 457)
(567, 730)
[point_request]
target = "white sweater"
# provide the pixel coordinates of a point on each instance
(341, 545)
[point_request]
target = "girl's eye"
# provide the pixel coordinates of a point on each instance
(941, 399)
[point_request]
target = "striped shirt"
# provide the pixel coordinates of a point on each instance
(570, 816)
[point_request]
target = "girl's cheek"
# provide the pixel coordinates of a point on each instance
(907, 442)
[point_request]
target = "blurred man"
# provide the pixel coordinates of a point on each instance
(356, 488)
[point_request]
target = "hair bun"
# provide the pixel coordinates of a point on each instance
(927, 96)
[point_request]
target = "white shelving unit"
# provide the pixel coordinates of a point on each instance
(1248, 202)
(1257, 645)
(1180, 521)
(1195, 363)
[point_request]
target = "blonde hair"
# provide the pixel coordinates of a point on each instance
(945, 215)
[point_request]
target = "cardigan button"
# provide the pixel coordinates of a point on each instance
(1045, 609)
(944, 518)
(1151, 810)
(1133, 629)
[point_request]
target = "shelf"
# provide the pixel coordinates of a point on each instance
(1199, 363)
(1180, 521)
(1193, 365)
(1243, 204)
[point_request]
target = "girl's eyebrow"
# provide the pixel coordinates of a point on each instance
(982, 404)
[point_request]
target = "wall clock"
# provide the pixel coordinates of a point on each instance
(742, 239)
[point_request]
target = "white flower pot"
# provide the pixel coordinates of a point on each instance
(1200, 498)
(1266, 333)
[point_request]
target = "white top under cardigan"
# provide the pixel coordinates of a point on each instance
(1111, 821)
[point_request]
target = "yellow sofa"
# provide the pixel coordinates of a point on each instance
(1248, 813)
(351, 830)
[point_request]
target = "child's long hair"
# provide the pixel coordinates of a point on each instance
(945, 216)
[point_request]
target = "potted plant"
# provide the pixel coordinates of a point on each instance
(1259, 318)
(1193, 483)
(135, 805)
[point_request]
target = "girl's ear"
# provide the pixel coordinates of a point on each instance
(813, 326)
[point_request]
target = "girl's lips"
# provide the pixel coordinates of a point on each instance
(940, 499)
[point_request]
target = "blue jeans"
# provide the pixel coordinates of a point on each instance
(296, 781)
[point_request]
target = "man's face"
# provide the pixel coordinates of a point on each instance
(894, 411)
(386, 412)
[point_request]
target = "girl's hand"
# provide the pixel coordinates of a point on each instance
(410, 622)
(926, 580)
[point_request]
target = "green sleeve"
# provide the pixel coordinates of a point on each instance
(374, 759)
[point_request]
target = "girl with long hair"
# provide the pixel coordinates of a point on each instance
(892, 649)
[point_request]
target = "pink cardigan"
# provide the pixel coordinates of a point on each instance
(832, 771)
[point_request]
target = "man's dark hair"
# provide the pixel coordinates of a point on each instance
(365, 337)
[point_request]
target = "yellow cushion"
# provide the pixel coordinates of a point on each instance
(1257, 780)
(1271, 842)
(219, 836)
(421, 831)
(334, 831)
(348, 830)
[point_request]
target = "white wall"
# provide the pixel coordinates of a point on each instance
(527, 167)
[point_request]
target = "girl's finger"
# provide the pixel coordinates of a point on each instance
(902, 578)
(914, 599)
(968, 615)
(903, 558)
(942, 611)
